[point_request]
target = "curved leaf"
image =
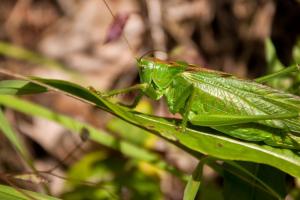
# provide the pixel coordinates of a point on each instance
(12, 136)
(197, 141)
(9, 193)
(20, 87)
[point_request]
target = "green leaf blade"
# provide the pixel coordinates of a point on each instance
(9, 193)
(197, 141)
(20, 87)
(12, 136)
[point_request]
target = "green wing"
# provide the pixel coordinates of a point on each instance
(227, 98)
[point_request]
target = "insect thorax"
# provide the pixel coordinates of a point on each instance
(160, 76)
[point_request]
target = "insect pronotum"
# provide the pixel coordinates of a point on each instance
(243, 109)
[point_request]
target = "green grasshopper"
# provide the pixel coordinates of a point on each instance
(240, 108)
(243, 109)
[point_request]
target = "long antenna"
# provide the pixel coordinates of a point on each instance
(123, 34)
(149, 52)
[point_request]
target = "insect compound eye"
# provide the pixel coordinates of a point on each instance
(141, 68)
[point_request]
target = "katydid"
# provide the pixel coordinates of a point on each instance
(241, 108)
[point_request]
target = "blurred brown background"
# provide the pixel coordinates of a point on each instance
(221, 34)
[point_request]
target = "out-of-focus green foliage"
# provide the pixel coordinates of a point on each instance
(13, 51)
(291, 82)
(12, 136)
(112, 176)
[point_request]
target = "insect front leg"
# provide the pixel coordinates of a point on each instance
(136, 100)
(140, 87)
